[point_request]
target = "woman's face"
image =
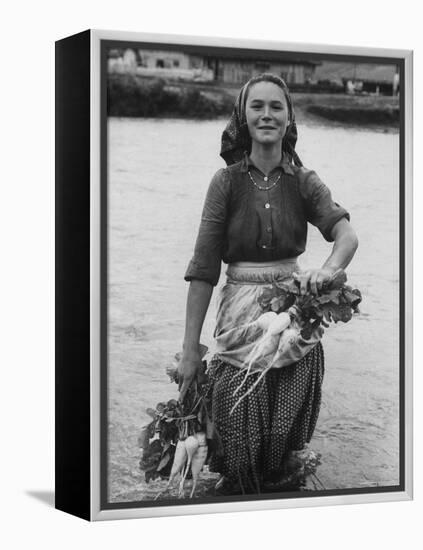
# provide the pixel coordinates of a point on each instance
(266, 111)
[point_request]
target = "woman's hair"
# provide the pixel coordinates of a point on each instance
(236, 137)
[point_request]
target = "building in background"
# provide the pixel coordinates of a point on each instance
(360, 78)
(232, 70)
(225, 69)
(370, 79)
(237, 71)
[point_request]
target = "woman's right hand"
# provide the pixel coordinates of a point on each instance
(189, 367)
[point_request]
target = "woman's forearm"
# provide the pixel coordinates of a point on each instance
(344, 248)
(199, 295)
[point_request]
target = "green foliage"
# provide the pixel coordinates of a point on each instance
(335, 302)
(131, 96)
(276, 298)
(170, 422)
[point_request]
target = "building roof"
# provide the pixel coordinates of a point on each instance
(263, 58)
(226, 54)
(246, 56)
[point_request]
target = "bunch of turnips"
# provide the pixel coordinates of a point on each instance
(335, 302)
(291, 320)
(176, 442)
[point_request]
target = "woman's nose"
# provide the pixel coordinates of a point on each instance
(266, 113)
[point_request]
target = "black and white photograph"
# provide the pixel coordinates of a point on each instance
(253, 274)
(211, 277)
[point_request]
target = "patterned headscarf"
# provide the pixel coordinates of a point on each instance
(236, 138)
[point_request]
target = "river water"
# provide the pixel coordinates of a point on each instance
(159, 171)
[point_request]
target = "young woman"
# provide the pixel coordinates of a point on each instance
(255, 219)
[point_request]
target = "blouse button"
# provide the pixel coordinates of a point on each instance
(267, 205)
(269, 229)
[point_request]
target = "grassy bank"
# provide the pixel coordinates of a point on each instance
(134, 96)
(355, 109)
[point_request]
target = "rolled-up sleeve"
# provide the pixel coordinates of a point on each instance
(207, 259)
(322, 210)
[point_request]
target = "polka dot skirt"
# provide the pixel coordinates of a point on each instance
(278, 416)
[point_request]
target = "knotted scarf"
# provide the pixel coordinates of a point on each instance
(236, 139)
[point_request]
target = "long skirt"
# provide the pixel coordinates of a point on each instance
(255, 437)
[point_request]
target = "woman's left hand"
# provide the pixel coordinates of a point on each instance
(313, 279)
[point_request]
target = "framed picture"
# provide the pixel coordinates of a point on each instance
(233, 275)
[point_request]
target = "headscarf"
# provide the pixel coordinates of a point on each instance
(236, 138)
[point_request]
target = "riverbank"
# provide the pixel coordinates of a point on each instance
(363, 110)
(134, 96)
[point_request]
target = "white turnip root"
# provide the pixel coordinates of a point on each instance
(201, 438)
(264, 346)
(282, 332)
(250, 390)
(288, 337)
(199, 459)
(191, 445)
(275, 325)
(266, 319)
(179, 461)
(280, 323)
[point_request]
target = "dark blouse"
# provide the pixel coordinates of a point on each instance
(242, 223)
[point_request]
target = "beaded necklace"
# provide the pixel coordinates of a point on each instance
(265, 179)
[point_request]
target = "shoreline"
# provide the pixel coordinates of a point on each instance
(137, 97)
